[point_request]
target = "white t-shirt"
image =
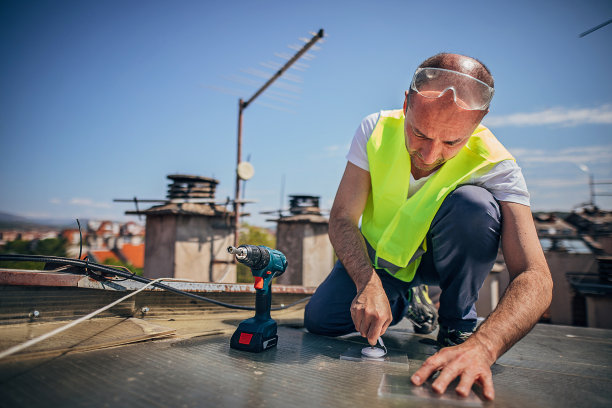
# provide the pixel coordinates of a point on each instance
(504, 180)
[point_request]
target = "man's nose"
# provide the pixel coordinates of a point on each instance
(430, 152)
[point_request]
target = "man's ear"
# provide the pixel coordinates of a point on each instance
(405, 101)
(484, 114)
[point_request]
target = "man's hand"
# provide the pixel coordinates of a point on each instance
(471, 361)
(371, 311)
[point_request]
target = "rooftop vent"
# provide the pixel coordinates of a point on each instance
(304, 204)
(185, 186)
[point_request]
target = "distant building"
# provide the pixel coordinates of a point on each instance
(573, 262)
(8, 236)
(133, 254)
(102, 255)
(132, 229)
(548, 224)
(29, 235)
(72, 236)
(596, 224)
(566, 251)
(592, 301)
(187, 236)
(556, 234)
(105, 239)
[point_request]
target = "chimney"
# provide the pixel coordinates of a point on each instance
(186, 237)
(302, 237)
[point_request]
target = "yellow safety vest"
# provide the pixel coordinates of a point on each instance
(394, 227)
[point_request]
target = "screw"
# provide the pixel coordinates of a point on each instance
(144, 309)
(34, 314)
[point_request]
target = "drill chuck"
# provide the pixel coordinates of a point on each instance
(253, 256)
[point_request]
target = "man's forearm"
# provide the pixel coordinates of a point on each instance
(520, 308)
(351, 250)
(370, 309)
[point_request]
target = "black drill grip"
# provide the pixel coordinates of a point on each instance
(263, 303)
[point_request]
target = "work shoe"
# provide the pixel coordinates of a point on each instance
(421, 311)
(449, 337)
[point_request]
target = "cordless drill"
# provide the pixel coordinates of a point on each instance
(259, 332)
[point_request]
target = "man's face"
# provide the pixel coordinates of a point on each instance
(436, 130)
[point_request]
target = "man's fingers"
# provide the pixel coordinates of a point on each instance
(447, 375)
(465, 385)
(362, 323)
(364, 329)
(375, 331)
(357, 319)
(368, 325)
(486, 380)
(386, 326)
(430, 366)
(462, 360)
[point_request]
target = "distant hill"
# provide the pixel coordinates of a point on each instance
(6, 217)
(12, 221)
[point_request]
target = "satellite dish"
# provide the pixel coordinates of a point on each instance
(245, 170)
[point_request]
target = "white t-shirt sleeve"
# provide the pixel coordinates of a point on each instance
(505, 181)
(357, 153)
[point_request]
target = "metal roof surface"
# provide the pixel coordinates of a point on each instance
(554, 366)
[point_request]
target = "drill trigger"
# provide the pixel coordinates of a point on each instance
(259, 281)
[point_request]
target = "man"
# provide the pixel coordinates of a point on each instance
(436, 192)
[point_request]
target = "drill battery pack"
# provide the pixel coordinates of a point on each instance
(255, 335)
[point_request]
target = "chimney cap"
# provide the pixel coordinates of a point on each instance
(185, 186)
(191, 178)
(304, 204)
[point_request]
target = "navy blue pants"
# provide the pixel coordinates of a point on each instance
(462, 245)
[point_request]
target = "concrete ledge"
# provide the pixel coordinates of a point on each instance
(20, 277)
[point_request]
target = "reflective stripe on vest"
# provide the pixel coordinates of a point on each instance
(395, 228)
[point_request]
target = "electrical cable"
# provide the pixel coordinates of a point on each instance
(80, 239)
(105, 269)
(31, 342)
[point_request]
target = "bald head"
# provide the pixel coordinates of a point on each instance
(460, 63)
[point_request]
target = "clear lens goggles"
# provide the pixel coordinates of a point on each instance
(468, 92)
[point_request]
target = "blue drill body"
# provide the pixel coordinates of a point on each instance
(259, 332)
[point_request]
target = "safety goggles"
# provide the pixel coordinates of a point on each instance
(468, 92)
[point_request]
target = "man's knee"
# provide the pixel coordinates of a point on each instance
(328, 311)
(467, 227)
(472, 207)
(311, 322)
(319, 320)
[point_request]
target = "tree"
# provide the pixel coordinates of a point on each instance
(129, 266)
(252, 235)
(49, 246)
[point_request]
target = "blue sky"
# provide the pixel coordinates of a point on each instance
(101, 100)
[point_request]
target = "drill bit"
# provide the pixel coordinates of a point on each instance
(240, 252)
